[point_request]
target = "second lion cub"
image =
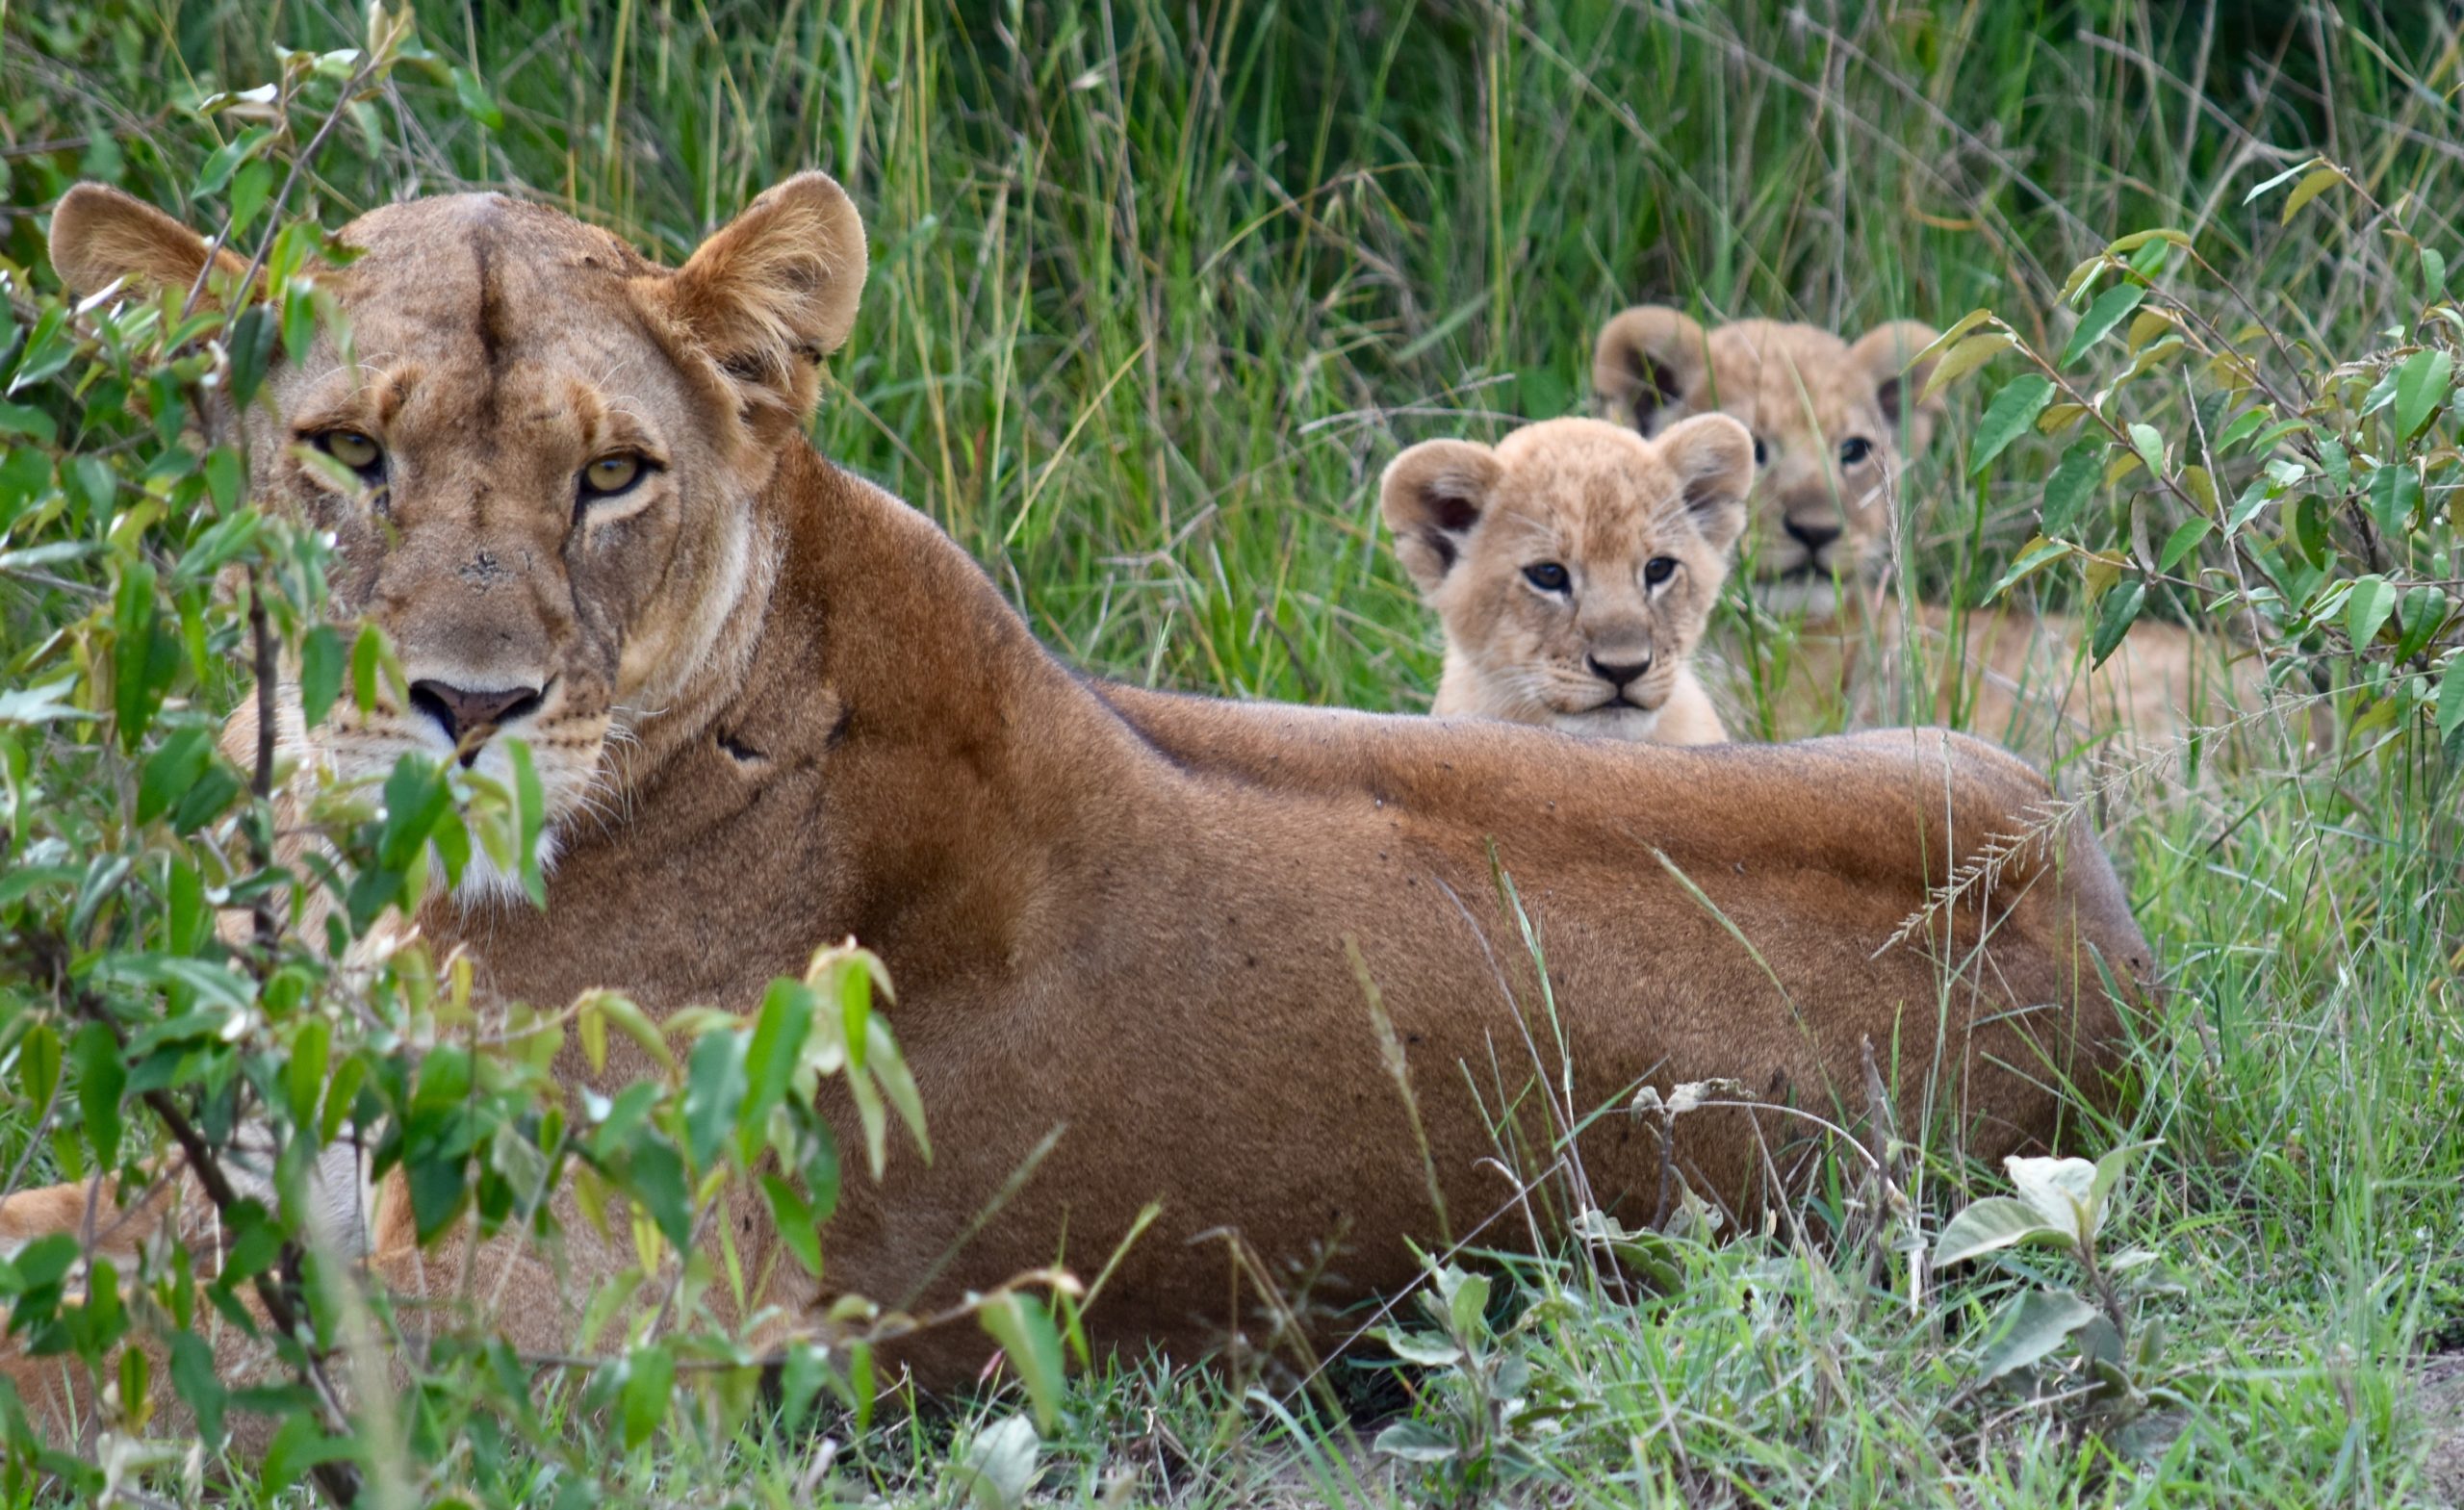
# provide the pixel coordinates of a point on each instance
(1572, 567)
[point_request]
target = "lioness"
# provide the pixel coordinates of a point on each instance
(1572, 568)
(1122, 920)
(1828, 419)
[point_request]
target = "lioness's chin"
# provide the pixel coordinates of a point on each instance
(563, 784)
(1803, 594)
(1622, 722)
(485, 884)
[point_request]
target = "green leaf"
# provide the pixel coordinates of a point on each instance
(531, 807)
(171, 770)
(299, 1446)
(1424, 1349)
(1966, 358)
(472, 94)
(2059, 1190)
(800, 1383)
(1992, 1224)
(2108, 1173)
(2182, 542)
(251, 347)
(799, 1226)
(2367, 610)
(713, 1091)
(2114, 617)
(226, 477)
(304, 1076)
(2008, 417)
(2149, 445)
(2109, 309)
(101, 1077)
(40, 705)
(2244, 425)
(2451, 698)
(2035, 555)
(2320, 181)
(194, 1380)
(38, 1064)
(2433, 270)
(2040, 1322)
(320, 673)
(2423, 611)
(2395, 494)
(778, 1043)
(1024, 1329)
(250, 187)
(24, 420)
(649, 1379)
(2421, 386)
(1415, 1442)
(999, 1465)
(2069, 486)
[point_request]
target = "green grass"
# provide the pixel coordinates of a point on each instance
(1156, 292)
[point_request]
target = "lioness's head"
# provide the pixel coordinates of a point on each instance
(1833, 424)
(1573, 565)
(536, 452)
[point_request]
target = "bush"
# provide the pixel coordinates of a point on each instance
(204, 963)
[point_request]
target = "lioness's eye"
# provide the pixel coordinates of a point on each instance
(1659, 569)
(1855, 449)
(1761, 452)
(1547, 575)
(611, 475)
(352, 448)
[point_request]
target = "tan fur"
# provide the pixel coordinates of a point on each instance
(1818, 541)
(1608, 653)
(1123, 921)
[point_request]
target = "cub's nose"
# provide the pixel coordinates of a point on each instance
(463, 712)
(1617, 672)
(1812, 535)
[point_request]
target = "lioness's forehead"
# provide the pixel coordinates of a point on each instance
(489, 299)
(485, 272)
(1790, 379)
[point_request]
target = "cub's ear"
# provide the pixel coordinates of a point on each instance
(1644, 364)
(1713, 458)
(1883, 353)
(774, 291)
(1433, 496)
(99, 234)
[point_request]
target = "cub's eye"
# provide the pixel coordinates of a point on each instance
(1761, 452)
(1548, 577)
(1658, 569)
(352, 448)
(610, 475)
(1854, 451)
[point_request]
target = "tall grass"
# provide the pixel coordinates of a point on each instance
(1156, 291)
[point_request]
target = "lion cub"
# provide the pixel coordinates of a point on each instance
(1572, 567)
(1828, 419)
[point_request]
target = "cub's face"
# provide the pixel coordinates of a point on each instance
(536, 454)
(1832, 425)
(1574, 564)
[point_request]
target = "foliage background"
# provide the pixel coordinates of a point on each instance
(1156, 291)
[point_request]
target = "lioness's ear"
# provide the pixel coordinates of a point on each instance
(774, 291)
(99, 234)
(1433, 496)
(1714, 456)
(1645, 362)
(1883, 353)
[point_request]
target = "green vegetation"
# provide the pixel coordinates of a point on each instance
(1156, 291)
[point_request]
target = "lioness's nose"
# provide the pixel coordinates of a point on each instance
(461, 711)
(1813, 534)
(1617, 672)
